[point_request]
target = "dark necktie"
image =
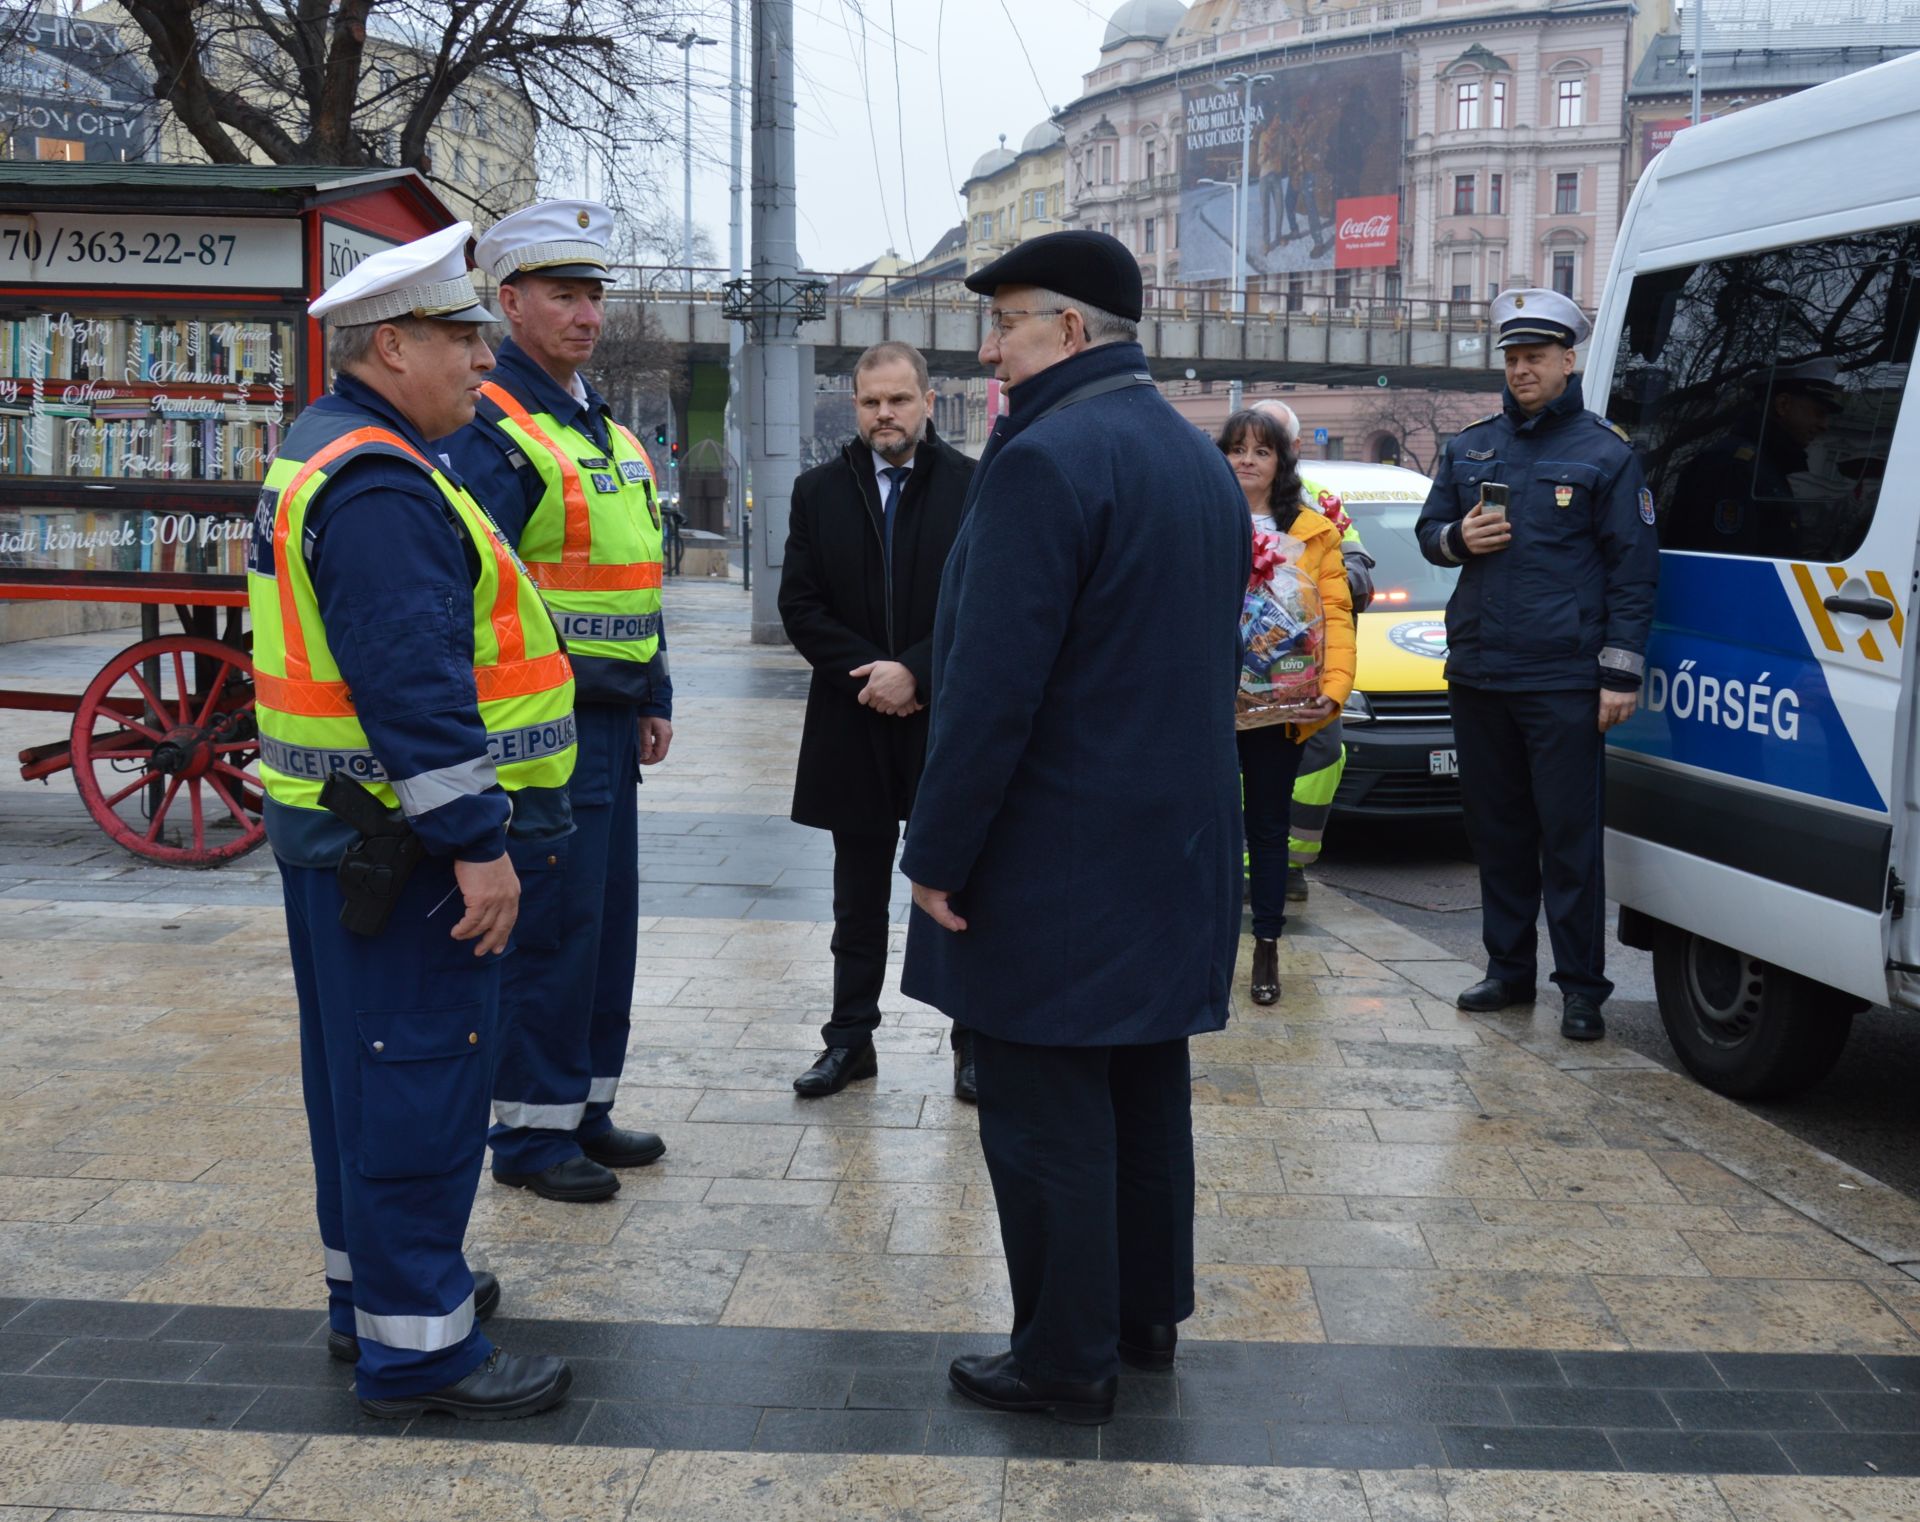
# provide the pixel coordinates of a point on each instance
(896, 478)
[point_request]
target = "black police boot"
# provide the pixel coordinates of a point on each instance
(1145, 1345)
(621, 1148)
(1266, 971)
(835, 1068)
(577, 1181)
(505, 1386)
(1297, 885)
(994, 1379)
(486, 1300)
(1580, 1019)
(965, 1088)
(1490, 994)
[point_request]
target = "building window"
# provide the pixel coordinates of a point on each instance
(1343, 291)
(460, 164)
(1466, 106)
(386, 80)
(1038, 201)
(1496, 194)
(1463, 195)
(1150, 159)
(1393, 284)
(1296, 293)
(1107, 228)
(1463, 277)
(1571, 97)
(1566, 194)
(1106, 163)
(1563, 274)
(1336, 447)
(1494, 262)
(479, 121)
(1498, 104)
(1149, 240)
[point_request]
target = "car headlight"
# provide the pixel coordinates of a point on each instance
(1357, 710)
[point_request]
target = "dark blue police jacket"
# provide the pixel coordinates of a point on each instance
(1568, 604)
(1081, 794)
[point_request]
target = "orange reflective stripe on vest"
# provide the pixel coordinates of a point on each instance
(331, 700)
(577, 543)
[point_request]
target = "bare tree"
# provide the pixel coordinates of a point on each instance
(1421, 421)
(355, 82)
(635, 367)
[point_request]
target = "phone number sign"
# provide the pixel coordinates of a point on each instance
(225, 253)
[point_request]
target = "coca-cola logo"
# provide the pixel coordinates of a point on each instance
(1367, 232)
(1376, 226)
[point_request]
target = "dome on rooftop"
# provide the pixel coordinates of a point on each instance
(992, 161)
(1043, 136)
(1148, 20)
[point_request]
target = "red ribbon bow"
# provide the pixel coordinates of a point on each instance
(1267, 558)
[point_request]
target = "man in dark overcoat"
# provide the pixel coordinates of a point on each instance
(1075, 846)
(867, 538)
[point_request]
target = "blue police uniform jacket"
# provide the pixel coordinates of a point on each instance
(1568, 604)
(507, 484)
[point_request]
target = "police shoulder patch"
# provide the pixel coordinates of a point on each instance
(1646, 506)
(1491, 417)
(1613, 428)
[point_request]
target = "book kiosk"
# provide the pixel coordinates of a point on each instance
(154, 346)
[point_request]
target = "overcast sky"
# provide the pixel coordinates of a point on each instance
(851, 212)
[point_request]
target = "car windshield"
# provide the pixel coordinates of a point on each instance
(1404, 580)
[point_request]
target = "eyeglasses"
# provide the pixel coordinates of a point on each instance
(1001, 327)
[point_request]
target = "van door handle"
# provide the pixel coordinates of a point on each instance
(1864, 607)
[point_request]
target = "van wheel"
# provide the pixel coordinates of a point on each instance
(1743, 1027)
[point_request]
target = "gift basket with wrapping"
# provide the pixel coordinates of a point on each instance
(1282, 631)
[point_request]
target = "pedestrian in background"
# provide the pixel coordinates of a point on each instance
(1267, 466)
(868, 535)
(1074, 848)
(575, 492)
(1543, 507)
(395, 639)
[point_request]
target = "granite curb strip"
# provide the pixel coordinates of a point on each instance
(1302, 1405)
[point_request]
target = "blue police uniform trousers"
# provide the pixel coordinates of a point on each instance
(397, 1048)
(567, 987)
(1533, 775)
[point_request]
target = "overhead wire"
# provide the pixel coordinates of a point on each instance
(873, 134)
(946, 128)
(1008, 13)
(900, 137)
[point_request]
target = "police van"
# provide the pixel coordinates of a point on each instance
(1756, 340)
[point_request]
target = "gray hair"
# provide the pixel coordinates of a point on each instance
(350, 344)
(1103, 327)
(887, 352)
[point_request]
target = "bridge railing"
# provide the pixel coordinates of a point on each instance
(862, 291)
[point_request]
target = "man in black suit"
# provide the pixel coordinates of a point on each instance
(867, 540)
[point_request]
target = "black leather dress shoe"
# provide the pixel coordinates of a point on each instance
(579, 1180)
(486, 1300)
(1266, 971)
(505, 1386)
(1490, 994)
(965, 1088)
(621, 1148)
(835, 1068)
(994, 1379)
(1580, 1019)
(1144, 1345)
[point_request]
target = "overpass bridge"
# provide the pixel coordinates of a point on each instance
(1432, 345)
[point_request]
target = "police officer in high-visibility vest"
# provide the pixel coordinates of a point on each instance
(1543, 507)
(415, 710)
(576, 492)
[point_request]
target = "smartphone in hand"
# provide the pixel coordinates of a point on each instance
(1493, 499)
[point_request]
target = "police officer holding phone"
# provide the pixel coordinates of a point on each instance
(1543, 507)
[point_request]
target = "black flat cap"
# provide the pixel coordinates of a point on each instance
(1089, 266)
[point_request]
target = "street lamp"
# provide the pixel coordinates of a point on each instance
(687, 41)
(1243, 275)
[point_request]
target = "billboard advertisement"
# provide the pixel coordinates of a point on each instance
(69, 89)
(1323, 174)
(1655, 136)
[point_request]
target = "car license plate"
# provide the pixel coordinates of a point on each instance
(1444, 763)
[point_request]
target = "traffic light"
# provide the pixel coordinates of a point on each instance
(660, 435)
(673, 455)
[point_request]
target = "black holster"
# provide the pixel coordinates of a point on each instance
(375, 867)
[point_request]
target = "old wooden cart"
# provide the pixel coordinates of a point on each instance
(154, 345)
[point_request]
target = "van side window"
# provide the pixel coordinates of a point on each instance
(1762, 392)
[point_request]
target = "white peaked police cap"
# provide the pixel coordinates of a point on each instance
(1538, 317)
(566, 240)
(425, 278)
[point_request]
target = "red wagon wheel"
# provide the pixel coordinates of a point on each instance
(164, 750)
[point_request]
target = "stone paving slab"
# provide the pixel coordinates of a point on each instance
(1435, 1249)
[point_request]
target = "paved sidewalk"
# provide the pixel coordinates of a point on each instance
(1451, 1268)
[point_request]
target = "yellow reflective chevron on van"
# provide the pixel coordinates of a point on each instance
(1806, 579)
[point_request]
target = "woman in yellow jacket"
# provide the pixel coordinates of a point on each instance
(1267, 465)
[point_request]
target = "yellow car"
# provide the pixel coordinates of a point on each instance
(1399, 731)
